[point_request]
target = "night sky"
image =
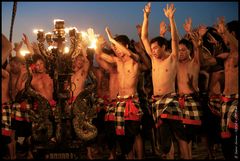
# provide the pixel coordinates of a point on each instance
(121, 17)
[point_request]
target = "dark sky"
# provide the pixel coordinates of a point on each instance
(121, 17)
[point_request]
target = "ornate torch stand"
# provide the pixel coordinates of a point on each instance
(59, 64)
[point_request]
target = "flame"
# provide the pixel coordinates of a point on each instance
(66, 50)
(35, 31)
(55, 20)
(24, 52)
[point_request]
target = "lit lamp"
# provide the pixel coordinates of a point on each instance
(59, 32)
(72, 32)
(49, 38)
(40, 36)
(59, 24)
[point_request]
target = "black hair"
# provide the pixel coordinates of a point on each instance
(214, 50)
(233, 26)
(161, 41)
(123, 39)
(188, 44)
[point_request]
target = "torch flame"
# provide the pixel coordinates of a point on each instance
(24, 52)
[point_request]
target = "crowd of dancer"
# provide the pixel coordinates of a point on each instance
(165, 91)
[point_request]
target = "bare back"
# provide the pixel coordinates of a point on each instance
(231, 74)
(163, 75)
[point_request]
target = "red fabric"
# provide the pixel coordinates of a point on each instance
(131, 111)
(181, 101)
(52, 103)
(226, 99)
(71, 100)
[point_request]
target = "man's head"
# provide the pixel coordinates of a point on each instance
(15, 64)
(124, 40)
(185, 49)
(233, 28)
(40, 66)
(158, 46)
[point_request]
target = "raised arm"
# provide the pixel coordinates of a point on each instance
(169, 13)
(102, 62)
(226, 35)
(26, 41)
(17, 47)
(120, 46)
(197, 42)
(162, 28)
(144, 34)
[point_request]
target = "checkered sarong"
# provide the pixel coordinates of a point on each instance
(214, 104)
(110, 110)
(6, 119)
(128, 108)
(20, 111)
(190, 105)
(229, 114)
(167, 107)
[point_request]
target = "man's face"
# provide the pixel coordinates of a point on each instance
(40, 66)
(117, 52)
(157, 50)
(184, 52)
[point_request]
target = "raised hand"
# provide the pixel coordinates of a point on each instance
(188, 25)
(110, 37)
(169, 11)
(139, 30)
(202, 29)
(26, 40)
(196, 38)
(162, 28)
(147, 8)
(17, 46)
(35, 48)
(221, 28)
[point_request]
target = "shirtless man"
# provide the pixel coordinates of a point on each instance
(6, 106)
(229, 108)
(164, 70)
(187, 81)
(113, 90)
(42, 83)
(128, 112)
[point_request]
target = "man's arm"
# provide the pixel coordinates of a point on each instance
(144, 34)
(121, 47)
(226, 35)
(169, 13)
(103, 63)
